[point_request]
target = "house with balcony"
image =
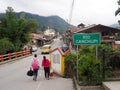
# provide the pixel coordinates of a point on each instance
(108, 34)
(37, 39)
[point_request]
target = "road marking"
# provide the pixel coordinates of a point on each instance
(39, 75)
(38, 86)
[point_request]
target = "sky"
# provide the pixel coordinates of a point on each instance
(84, 11)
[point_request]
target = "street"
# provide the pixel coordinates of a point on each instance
(13, 77)
(57, 43)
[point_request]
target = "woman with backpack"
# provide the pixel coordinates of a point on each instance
(46, 66)
(35, 67)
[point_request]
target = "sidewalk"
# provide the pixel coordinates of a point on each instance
(111, 85)
(54, 83)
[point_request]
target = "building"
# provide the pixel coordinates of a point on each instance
(49, 32)
(37, 39)
(57, 60)
(107, 33)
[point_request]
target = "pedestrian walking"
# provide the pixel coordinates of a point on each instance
(46, 66)
(30, 49)
(35, 66)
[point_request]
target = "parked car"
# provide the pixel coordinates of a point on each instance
(34, 48)
(45, 49)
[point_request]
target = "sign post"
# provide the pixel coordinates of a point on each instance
(86, 39)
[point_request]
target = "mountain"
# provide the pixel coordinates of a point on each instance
(116, 25)
(55, 22)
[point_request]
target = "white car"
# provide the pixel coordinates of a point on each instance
(34, 48)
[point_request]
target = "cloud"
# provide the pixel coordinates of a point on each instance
(84, 11)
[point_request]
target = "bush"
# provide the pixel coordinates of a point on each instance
(92, 70)
(111, 59)
(6, 46)
(89, 69)
(70, 65)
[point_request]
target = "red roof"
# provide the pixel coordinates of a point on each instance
(61, 52)
(74, 29)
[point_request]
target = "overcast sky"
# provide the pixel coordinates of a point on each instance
(84, 11)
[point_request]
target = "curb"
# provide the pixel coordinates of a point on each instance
(76, 86)
(105, 87)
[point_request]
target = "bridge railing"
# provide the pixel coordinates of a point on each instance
(14, 55)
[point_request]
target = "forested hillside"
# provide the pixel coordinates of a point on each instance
(55, 22)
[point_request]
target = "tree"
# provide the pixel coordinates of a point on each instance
(5, 46)
(12, 27)
(43, 28)
(118, 10)
(3, 26)
(17, 30)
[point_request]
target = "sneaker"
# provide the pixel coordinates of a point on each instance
(33, 78)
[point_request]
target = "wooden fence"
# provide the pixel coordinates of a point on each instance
(14, 55)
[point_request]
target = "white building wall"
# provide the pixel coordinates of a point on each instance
(56, 61)
(49, 32)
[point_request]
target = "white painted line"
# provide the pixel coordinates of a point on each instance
(38, 86)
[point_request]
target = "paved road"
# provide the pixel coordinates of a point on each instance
(57, 43)
(13, 77)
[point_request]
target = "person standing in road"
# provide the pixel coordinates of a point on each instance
(35, 66)
(46, 66)
(30, 49)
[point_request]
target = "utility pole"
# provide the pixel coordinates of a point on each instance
(71, 12)
(69, 20)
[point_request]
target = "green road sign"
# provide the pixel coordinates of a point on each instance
(86, 39)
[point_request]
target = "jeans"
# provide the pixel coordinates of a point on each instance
(35, 73)
(47, 72)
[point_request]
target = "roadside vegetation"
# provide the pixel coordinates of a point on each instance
(92, 70)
